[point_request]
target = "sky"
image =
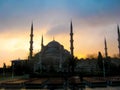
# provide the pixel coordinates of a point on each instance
(93, 20)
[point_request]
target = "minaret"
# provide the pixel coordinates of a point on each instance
(118, 39)
(42, 45)
(31, 43)
(106, 53)
(71, 40)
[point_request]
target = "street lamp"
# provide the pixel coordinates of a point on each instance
(103, 68)
(12, 69)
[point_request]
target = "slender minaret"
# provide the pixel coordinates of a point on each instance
(42, 45)
(118, 39)
(106, 53)
(31, 43)
(71, 40)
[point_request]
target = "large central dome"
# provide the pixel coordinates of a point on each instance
(54, 44)
(53, 49)
(53, 55)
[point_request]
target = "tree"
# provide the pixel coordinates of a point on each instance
(100, 60)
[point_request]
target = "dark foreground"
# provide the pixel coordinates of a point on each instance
(71, 83)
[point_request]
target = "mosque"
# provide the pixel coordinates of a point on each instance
(52, 57)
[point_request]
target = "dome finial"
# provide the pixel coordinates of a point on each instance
(53, 38)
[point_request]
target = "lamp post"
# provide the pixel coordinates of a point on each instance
(12, 69)
(103, 68)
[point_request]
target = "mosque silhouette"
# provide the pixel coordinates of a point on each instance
(53, 58)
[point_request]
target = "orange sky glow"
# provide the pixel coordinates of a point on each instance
(16, 44)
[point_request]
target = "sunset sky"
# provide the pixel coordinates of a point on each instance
(93, 20)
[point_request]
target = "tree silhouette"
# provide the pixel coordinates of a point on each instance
(100, 60)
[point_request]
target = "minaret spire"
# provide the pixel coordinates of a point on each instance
(31, 42)
(71, 40)
(42, 45)
(118, 39)
(106, 53)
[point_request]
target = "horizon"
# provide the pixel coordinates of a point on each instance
(92, 22)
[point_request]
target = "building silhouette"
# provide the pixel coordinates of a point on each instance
(53, 57)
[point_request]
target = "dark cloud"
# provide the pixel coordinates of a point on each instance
(59, 29)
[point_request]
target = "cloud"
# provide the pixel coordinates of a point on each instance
(57, 30)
